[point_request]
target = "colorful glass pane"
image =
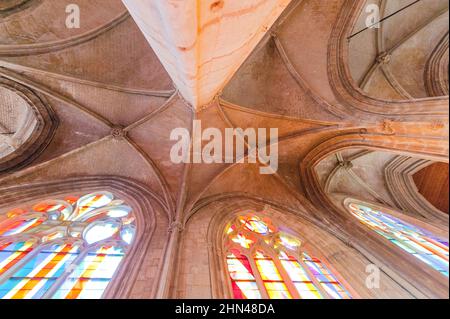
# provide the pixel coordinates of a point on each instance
(231, 229)
(291, 280)
(326, 279)
(127, 234)
(71, 199)
(92, 276)
(129, 220)
(112, 212)
(255, 225)
(242, 240)
(15, 212)
(35, 278)
(13, 252)
(116, 202)
(91, 219)
(90, 202)
(63, 209)
(288, 241)
(414, 240)
(242, 278)
(19, 225)
(302, 282)
(275, 286)
(52, 236)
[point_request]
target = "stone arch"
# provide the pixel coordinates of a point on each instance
(399, 179)
(355, 99)
(33, 134)
(204, 229)
(436, 70)
(136, 196)
(416, 275)
(426, 149)
(9, 7)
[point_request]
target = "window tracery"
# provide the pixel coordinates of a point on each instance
(418, 242)
(68, 248)
(266, 262)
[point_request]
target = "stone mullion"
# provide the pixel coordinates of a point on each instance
(229, 289)
(312, 277)
(7, 274)
(286, 278)
(67, 272)
(257, 275)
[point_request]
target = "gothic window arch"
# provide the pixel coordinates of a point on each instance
(265, 261)
(27, 125)
(64, 248)
(413, 239)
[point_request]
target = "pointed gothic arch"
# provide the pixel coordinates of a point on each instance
(313, 235)
(266, 260)
(81, 235)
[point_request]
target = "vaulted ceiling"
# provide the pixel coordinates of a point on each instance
(392, 61)
(115, 100)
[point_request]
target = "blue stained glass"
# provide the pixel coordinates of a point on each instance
(33, 279)
(10, 287)
(127, 234)
(418, 242)
(91, 277)
(30, 269)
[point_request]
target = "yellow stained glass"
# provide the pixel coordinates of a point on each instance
(289, 242)
(275, 286)
(302, 282)
(242, 278)
(306, 279)
(242, 240)
(46, 251)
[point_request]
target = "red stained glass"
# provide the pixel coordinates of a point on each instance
(282, 276)
(50, 231)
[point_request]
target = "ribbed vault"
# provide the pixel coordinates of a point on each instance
(116, 106)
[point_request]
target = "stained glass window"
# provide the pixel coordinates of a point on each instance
(414, 240)
(264, 262)
(92, 275)
(243, 279)
(68, 248)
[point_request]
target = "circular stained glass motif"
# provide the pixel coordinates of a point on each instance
(85, 236)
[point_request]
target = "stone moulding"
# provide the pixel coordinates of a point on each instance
(52, 46)
(399, 180)
(9, 7)
(232, 204)
(436, 70)
(135, 194)
(42, 134)
(352, 98)
(365, 240)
